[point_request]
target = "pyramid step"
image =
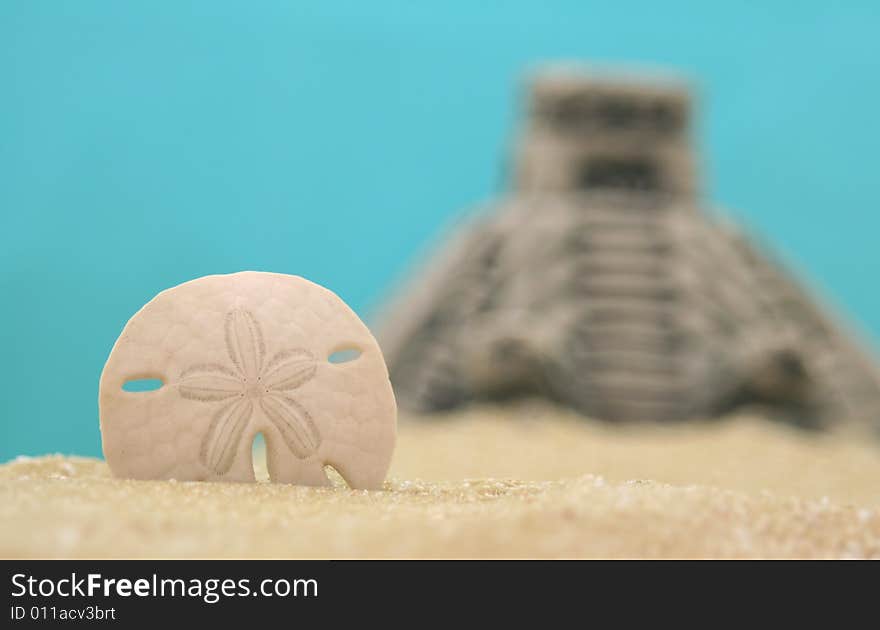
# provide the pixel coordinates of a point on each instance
(647, 291)
(644, 246)
(618, 222)
(644, 251)
(650, 271)
(635, 363)
(651, 385)
(615, 280)
(647, 343)
(635, 308)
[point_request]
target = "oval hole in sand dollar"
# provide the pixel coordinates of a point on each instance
(344, 355)
(137, 385)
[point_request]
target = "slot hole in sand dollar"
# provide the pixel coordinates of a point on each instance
(336, 480)
(344, 355)
(258, 458)
(137, 385)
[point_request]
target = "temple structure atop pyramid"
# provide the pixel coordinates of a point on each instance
(602, 282)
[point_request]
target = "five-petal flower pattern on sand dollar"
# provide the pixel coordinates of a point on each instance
(251, 382)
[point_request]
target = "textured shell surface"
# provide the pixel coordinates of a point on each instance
(243, 354)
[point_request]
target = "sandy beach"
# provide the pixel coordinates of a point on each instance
(492, 482)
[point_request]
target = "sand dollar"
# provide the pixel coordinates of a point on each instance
(243, 354)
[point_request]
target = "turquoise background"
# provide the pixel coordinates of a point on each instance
(143, 144)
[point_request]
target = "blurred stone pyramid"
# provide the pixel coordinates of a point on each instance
(602, 283)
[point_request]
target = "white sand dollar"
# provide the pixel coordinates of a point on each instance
(243, 354)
